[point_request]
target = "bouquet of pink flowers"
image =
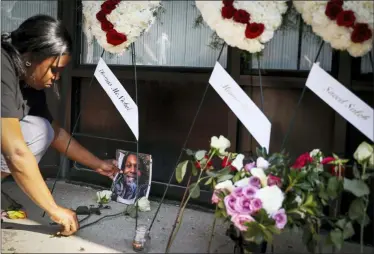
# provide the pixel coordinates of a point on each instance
(262, 196)
(253, 203)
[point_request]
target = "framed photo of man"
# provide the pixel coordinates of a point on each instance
(124, 188)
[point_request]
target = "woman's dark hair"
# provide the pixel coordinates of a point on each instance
(42, 36)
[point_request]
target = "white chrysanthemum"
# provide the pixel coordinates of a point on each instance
(267, 12)
(313, 13)
(271, 197)
(132, 18)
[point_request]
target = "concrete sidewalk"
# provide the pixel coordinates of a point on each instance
(114, 235)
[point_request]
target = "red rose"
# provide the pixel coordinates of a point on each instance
(332, 10)
(302, 160)
(115, 38)
(254, 30)
(228, 2)
(228, 12)
(106, 25)
(115, 2)
(197, 165)
(338, 2)
(327, 160)
(241, 16)
(346, 18)
(108, 6)
(226, 162)
(101, 16)
(274, 180)
(361, 32)
(210, 162)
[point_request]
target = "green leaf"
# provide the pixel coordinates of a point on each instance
(366, 220)
(367, 176)
(268, 236)
(274, 229)
(304, 186)
(358, 187)
(336, 237)
(189, 152)
(332, 187)
(356, 209)
(194, 190)
(254, 231)
(356, 173)
(181, 171)
(236, 177)
(218, 213)
(348, 231)
(199, 155)
(221, 204)
(211, 174)
(194, 169)
(209, 181)
(224, 178)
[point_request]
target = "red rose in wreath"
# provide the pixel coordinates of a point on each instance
(115, 38)
(254, 30)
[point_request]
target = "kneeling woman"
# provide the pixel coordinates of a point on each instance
(32, 58)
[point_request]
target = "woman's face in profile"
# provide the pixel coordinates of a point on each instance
(41, 75)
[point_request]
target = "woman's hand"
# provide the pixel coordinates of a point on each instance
(108, 168)
(67, 219)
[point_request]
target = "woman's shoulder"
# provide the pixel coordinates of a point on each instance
(6, 62)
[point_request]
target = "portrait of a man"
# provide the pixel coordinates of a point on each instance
(125, 188)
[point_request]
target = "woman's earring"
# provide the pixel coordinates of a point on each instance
(28, 64)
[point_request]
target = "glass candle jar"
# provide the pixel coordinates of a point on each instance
(141, 240)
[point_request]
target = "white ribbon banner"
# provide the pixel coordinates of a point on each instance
(242, 106)
(119, 96)
(343, 101)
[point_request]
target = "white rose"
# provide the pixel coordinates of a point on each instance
(243, 182)
(238, 162)
(259, 172)
(314, 152)
(262, 163)
(144, 204)
(221, 143)
(271, 197)
(103, 196)
(226, 185)
(363, 152)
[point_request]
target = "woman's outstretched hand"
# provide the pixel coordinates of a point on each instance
(108, 168)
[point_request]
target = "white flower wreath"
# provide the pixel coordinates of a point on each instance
(346, 25)
(116, 24)
(243, 24)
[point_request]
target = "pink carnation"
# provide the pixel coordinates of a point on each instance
(240, 219)
(280, 218)
(230, 204)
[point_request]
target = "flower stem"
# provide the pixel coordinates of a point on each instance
(364, 214)
(213, 227)
(181, 211)
(180, 216)
(180, 208)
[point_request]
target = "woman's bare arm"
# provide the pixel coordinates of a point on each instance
(23, 165)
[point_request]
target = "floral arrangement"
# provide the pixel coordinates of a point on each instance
(247, 25)
(265, 195)
(346, 25)
(116, 24)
